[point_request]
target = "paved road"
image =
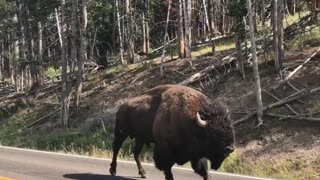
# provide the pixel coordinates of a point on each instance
(21, 164)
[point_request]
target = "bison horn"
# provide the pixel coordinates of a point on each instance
(201, 122)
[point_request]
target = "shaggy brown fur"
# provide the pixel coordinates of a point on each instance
(166, 115)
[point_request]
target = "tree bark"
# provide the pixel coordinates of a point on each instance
(120, 32)
(130, 43)
(73, 39)
(83, 51)
(275, 36)
(30, 55)
(255, 65)
(186, 10)
(181, 32)
(280, 32)
(165, 37)
(64, 116)
(15, 43)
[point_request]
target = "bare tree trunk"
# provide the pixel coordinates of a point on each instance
(1, 60)
(209, 26)
(15, 43)
(114, 24)
(165, 37)
(187, 30)
(30, 54)
(64, 116)
(120, 32)
(263, 14)
(73, 19)
(239, 56)
(58, 26)
(275, 34)
(279, 22)
(147, 28)
(130, 43)
(255, 65)
(83, 51)
(181, 32)
(40, 54)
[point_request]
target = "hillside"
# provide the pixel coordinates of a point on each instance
(287, 148)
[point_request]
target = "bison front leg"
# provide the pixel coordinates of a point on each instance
(120, 137)
(136, 152)
(200, 166)
(163, 160)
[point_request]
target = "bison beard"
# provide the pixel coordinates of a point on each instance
(183, 124)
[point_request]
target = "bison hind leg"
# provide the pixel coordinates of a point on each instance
(200, 166)
(120, 137)
(137, 152)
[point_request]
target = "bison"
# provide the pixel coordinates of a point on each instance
(183, 124)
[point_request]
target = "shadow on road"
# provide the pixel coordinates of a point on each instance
(88, 176)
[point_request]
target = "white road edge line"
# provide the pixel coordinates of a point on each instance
(122, 161)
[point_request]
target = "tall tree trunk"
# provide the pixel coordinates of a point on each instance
(165, 37)
(15, 43)
(114, 24)
(275, 34)
(212, 25)
(147, 28)
(280, 32)
(130, 43)
(181, 32)
(263, 14)
(83, 50)
(120, 32)
(40, 54)
(187, 30)
(58, 26)
(1, 60)
(255, 65)
(73, 39)
(30, 54)
(23, 81)
(64, 116)
(208, 26)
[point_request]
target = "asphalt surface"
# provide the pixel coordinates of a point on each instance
(21, 164)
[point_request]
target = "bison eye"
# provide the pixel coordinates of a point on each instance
(228, 150)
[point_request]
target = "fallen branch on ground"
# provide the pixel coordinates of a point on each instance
(286, 100)
(296, 69)
(42, 118)
(283, 117)
(287, 105)
(201, 74)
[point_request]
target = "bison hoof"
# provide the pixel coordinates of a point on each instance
(112, 171)
(144, 176)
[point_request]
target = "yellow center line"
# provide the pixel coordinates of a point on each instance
(5, 178)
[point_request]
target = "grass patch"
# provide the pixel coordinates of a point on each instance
(295, 169)
(95, 143)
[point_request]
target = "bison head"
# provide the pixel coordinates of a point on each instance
(219, 134)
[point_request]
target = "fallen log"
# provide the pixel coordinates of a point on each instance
(286, 100)
(283, 117)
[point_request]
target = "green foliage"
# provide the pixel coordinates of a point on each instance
(307, 39)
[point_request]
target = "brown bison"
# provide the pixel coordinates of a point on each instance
(183, 124)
